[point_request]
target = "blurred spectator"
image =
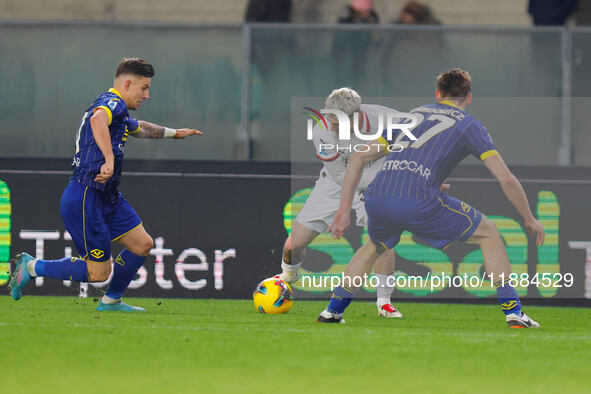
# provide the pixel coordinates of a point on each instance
(360, 11)
(350, 49)
(268, 11)
(411, 45)
(417, 13)
(551, 12)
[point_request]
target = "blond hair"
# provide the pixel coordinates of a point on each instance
(344, 99)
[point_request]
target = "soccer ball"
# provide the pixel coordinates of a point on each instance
(273, 296)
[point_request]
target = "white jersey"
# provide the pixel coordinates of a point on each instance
(336, 153)
(318, 212)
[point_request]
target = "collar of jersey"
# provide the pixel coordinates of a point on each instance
(446, 102)
(113, 90)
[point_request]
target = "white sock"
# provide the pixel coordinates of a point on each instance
(31, 267)
(383, 290)
(290, 268)
(108, 300)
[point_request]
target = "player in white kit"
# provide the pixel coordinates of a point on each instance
(318, 212)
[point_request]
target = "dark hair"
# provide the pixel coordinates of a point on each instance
(418, 10)
(454, 83)
(134, 66)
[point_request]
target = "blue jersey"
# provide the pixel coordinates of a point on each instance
(445, 136)
(89, 158)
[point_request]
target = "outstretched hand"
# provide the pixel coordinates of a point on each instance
(182, 133)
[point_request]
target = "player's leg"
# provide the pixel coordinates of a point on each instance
(137, 245)
(359, 266)
(67, 268)
(384, 271)
(294, 251)
(384, 235)
(447, 220)
(496, 262)
(126, 228)
(312, 220)
(98, 272)
(81, 210)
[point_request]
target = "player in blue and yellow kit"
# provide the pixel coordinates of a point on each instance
(405, 194)
(93, 210)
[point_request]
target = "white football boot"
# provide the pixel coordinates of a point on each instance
(521, 321)
(388, 310)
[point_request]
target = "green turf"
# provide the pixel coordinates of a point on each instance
(62, 345)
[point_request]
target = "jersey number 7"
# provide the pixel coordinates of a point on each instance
(443, 123)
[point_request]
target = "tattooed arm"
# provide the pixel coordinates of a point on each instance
(151, 130)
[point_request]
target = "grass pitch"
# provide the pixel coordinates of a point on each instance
(62, 345)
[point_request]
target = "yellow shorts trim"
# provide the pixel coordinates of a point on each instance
(115, 239)
(384, 245)
(383, 142)
(92, 261)
(98, 262)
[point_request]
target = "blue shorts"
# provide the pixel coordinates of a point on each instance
(94, 223)
(439, 221)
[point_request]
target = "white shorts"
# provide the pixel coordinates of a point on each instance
(318, 212)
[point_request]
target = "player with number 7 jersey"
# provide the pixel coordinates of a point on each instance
(405, 194)
(445, 134)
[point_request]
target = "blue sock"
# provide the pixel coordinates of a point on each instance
(68, 268)
(341, 298)
(126, 266)
(508, 298)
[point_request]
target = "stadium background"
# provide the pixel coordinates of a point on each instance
(237, 81)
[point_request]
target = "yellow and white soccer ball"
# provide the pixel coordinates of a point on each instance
(273, 296)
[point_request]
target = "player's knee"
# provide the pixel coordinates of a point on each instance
(489, 227)
(145, 246)
(487, 231)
